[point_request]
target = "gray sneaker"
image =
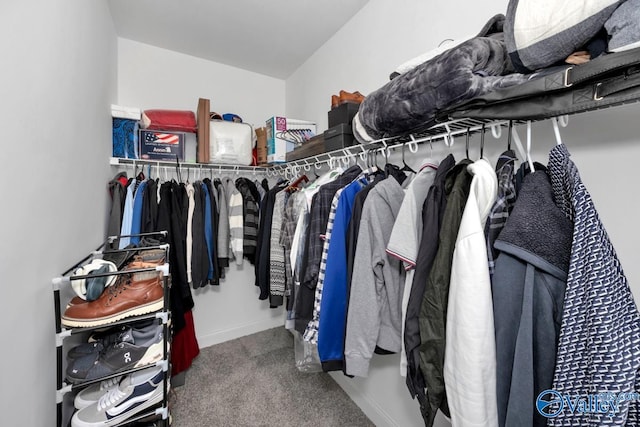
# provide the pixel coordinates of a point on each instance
(142, 348)
(134, 394)
(90, 395)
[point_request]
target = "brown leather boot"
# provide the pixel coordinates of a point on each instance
(133, 294)
(150, 257)
(335, 101)
(355, 97)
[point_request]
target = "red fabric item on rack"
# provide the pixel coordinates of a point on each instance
(123, 180)
(184, 347)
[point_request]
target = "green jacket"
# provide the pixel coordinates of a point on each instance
(433, 313)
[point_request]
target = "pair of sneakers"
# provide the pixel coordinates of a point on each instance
(116, 400)
(125, 348)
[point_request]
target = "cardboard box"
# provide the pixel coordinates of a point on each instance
(261, 145)
(279, 141)
(161, 145)
(202, 118)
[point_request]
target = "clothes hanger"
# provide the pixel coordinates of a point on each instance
(294, 186)
(482, 142)
(556, 130)
(518, 141)
(405, 167)
(529, 160)
(178, 174)
(375, 156)
(467, 143)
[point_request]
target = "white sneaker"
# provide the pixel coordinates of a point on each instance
(90, 395)
(135, 393)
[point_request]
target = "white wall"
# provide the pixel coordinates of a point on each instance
(151, 77)
(367, 49)
(362, 55)
(56, 83)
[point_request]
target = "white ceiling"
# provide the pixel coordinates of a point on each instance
(271, 37)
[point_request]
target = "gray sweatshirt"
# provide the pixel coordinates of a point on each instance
(375, 303)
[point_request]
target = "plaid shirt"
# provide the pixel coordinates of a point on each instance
(320, 209)
(503, 204)
(311, 334)
(318, 219)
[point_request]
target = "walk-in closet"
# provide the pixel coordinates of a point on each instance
(463, 253)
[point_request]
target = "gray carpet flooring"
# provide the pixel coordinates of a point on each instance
(252, 381)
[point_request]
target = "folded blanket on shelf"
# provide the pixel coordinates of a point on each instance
(413, 101)
(493, 26)
(122, 112)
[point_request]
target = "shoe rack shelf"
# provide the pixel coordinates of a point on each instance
(158, 412)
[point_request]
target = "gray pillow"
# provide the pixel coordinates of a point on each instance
(624, 27)
(539, 33)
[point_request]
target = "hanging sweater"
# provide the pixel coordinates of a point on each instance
(374, 315)
(277, 271)
(236, 221)
(470, 355)
(599, 347)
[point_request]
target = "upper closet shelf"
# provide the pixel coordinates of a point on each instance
(175, 165)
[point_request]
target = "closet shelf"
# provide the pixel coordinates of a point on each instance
(446, 132)
(117, 161)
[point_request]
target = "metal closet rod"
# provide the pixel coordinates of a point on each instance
(451, 129)
(172, 165)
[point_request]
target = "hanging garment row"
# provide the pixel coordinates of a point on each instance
(482, 279)
(210, 222)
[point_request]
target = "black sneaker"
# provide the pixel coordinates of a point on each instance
(144, 347)
(106, 338)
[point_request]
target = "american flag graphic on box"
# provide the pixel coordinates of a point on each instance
(161, 145)
(164, 138)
